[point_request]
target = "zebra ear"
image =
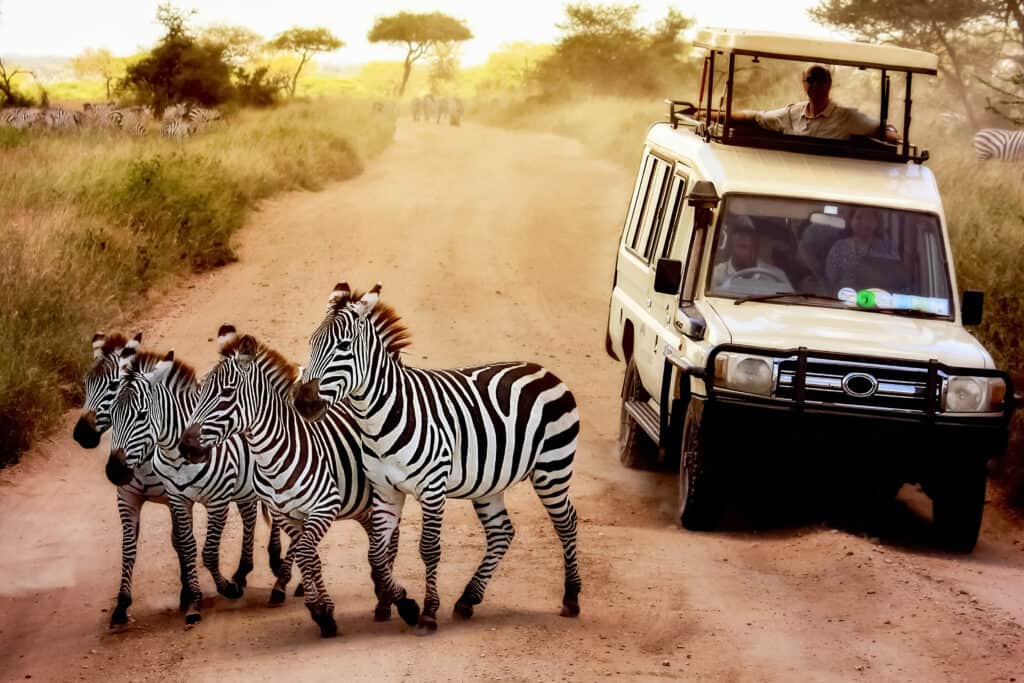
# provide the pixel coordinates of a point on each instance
(225, 335)
(163, 368)
(246, 351)
(97, 346)
(341, 294)
(366, 304)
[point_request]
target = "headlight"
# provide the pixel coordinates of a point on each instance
(974, 395)
(750, 374)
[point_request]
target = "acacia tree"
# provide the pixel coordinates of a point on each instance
(305, 42)
(418, 32)
(100, 64)
(12, 98)
(965, 34)
(238, 43)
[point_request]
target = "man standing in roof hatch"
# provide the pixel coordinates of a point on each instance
(819, 116)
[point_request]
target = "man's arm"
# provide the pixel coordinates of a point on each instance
(862, 124)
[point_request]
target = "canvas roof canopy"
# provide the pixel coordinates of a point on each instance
(825, 50)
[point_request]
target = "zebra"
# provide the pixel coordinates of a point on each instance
(22, 118)
(147, 419)
(456, 111)
(309, 474)
(442, 109)
(59, 118)
(999, 144)
(438, 434)
(134, 487)
(178, 129)
(201, 116)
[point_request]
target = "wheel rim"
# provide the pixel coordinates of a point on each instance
(689, 444)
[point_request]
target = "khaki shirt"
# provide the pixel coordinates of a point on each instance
(835, 122)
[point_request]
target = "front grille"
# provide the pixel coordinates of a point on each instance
(900, 388)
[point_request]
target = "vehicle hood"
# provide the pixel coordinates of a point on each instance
(787, 326)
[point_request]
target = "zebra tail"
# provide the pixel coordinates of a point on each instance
(265, 512)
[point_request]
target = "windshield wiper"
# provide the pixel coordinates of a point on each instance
(906, 312)
(781, 295)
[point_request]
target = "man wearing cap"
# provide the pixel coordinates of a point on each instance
(819, 116)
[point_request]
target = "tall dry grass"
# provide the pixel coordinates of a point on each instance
(87, 218)
(984, 204)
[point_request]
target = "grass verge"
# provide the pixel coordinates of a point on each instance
(88, 218)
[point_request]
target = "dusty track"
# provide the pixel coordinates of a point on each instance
(493, 245)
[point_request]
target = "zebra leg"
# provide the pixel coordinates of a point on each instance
(249, 512)
(382, 612)
(274, 546)
(387, 513)
(284, 572)
(432, 503)
(185, 545)
(493, 516)
(216, 516)
(129, 506)
(318, 602)
(553, 490)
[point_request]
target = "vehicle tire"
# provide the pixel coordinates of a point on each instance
(700, 495)
(636, 450)
(958, 502)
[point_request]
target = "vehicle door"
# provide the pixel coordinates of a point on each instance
(633, 271)
(669, 220)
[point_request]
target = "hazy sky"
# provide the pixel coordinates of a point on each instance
(66, 27)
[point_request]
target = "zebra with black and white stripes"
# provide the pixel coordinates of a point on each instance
(203, 116)
(147, 420)
(310, 475)
(999, 144)
(438, 434)
(178, 129)
(135, 487)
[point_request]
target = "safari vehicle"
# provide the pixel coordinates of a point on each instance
(777, 295)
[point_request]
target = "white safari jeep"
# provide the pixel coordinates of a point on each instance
(779, 296)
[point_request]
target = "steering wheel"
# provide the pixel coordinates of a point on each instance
(755, 274)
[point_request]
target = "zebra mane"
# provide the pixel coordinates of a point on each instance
(389, 325)
(279, 368)
(180, 371)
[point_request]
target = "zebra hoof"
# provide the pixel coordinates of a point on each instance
(277, 597)
(231, 590)
(119, 617)
(570, 609)
(463, 610)
(184, 600)
(426, 626)
(299, 591)
(409, 610)
(382, 613)
(324, 618)
(241, 577)
(193, 618)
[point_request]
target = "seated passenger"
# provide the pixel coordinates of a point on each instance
(742, 242)
(819, 116)
(846, 255)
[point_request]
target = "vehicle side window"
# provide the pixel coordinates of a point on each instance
(659, 212)
(645, 210)
(676, 201)
(639, 198)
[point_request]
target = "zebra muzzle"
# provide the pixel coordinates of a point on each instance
(118, 473)
(85, 432)
(190, 447)
(308, 401)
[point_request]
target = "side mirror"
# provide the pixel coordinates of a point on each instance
(668, 277)
(973, 304)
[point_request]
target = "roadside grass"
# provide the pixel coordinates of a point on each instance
(984, 204)
(89, 220)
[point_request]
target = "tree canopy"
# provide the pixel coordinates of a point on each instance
(419, 33)
(304, 43)
(101, 64)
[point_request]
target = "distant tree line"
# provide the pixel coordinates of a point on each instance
(980, 44)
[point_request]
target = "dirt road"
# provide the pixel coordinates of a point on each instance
(493, 245)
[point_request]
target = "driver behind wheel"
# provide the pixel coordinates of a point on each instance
(743, 245)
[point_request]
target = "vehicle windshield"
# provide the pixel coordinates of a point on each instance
(830, 254)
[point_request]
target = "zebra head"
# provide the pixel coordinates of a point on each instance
(101, 383)
(135, 417)
(341, 351)
(225, 397)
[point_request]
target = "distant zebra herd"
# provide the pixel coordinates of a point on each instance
(349, 437)
(176, 122)
(436, 109)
